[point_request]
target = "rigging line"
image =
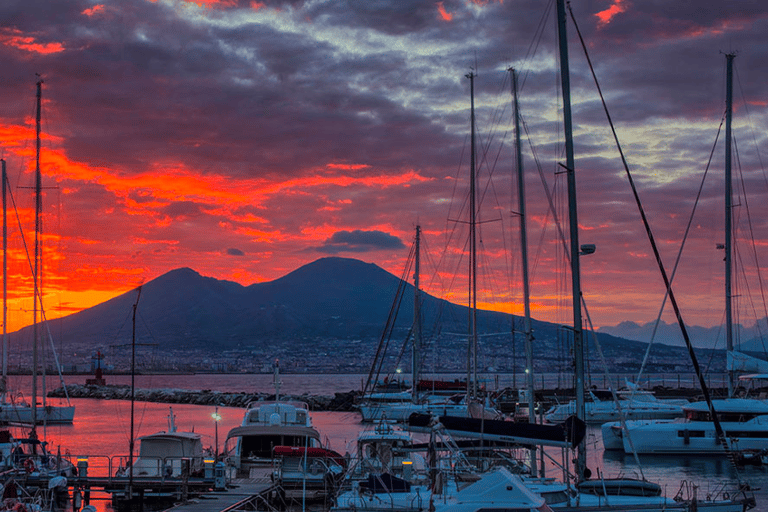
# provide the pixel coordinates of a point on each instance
(752, 126)
(753, 246)
(622, 419)
(682, 246)
(537, 161)
(386, 334)
(704, 388)
(537, 37)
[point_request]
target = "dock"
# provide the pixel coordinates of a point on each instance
(241, 494)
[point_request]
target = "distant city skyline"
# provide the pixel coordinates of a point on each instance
(246, 139)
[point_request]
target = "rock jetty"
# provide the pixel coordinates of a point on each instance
(339, 402)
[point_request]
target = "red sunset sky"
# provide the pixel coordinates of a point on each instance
(244, 139)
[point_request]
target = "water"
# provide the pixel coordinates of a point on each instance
(101, 430)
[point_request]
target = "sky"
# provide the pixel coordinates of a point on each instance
(244, 139)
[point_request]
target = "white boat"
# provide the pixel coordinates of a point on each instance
(399, 406)
(16, 410)
(635, 404)
(438, 398)
(496, 490)
(309, 474)
(384, 450)
(21, 412)
(715, 426)
(744, 422)
(164, 453)
(266, 425)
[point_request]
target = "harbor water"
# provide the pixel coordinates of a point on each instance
(101, 430)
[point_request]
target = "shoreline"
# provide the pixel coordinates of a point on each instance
(338, 402)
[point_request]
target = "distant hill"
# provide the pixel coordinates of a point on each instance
(704, 337)
(313, 310)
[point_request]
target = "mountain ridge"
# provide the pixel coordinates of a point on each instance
(332, 308)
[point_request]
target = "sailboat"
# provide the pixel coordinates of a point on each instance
(424, 396)
(15, 411)
(744, 421)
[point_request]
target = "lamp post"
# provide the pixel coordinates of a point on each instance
(216, 417)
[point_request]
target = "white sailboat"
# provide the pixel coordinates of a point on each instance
(398, 406)
(14, 410)
(721, 426)
(634, 404)
(583, 481)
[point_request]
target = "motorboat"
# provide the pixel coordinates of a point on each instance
(266, 425)
(310, 474)
(744, 422)
(167, 453)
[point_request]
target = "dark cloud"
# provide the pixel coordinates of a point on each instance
(359, 241)
(271, 97)
(235, 252)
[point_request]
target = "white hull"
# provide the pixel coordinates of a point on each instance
(686, 437)
(50, 414)
(603, 412)
(400, 412)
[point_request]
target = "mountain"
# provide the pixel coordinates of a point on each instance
(333, 308)
(705, 337)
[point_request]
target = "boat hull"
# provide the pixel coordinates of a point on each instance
(50, 414)
(694, 437)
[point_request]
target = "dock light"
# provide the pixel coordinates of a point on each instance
(407, 469)
(216, 418)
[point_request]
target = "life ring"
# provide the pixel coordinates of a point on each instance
(29, 465)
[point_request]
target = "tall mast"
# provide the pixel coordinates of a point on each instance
(416, 359)
(578, 342)
(4, 382)
(472, 338)
(36, 270)
(133, 394)
(524, 264)
(728, 217)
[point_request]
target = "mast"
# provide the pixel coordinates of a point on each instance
(415, 362)
(578, 341)
(133, 394)
(4, 382)
(524, 264)
(472, 295)
(728, 218)
(36, 270)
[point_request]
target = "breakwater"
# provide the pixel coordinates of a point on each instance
(340, 402)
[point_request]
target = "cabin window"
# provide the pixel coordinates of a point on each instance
(301, 416)
(260, 447)
(503, 509)
(553, 498)
(690, 433)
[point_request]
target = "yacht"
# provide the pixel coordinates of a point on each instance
(266, 425)
(744, 422)
(635, 404)
(161, 454)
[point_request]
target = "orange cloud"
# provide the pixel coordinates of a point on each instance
(13, 37)
(607, 15)
(214, 4)
(96, 9)
(445, 15)
(349, 167)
